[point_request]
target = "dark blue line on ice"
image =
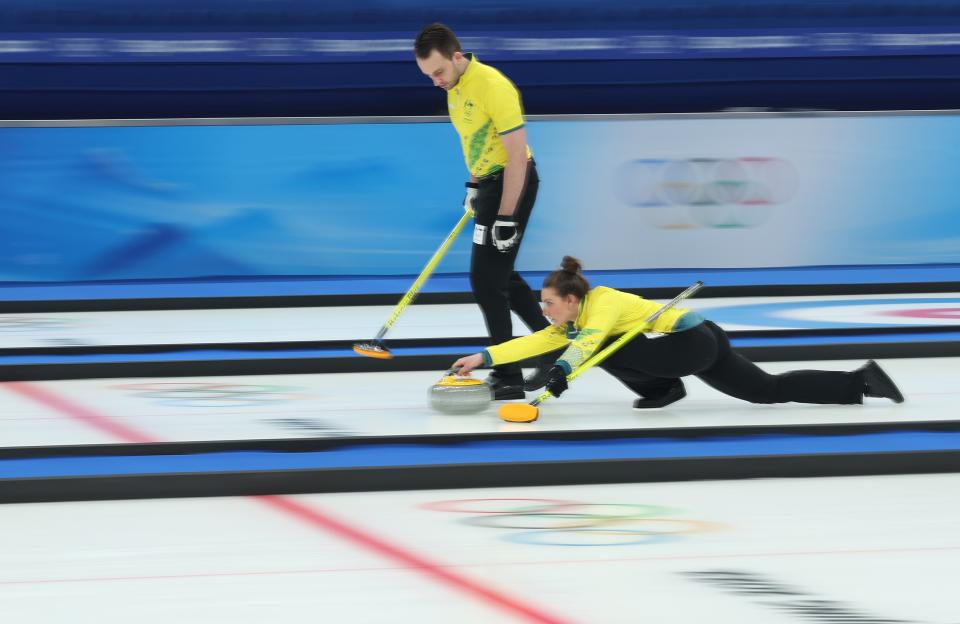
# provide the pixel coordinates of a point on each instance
(207, 355)
(481, 452)
(398, 284)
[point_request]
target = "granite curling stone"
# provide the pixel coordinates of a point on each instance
(460, 395)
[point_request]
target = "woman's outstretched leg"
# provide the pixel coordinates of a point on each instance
(737, 376)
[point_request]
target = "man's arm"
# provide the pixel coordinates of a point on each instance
(515, 173)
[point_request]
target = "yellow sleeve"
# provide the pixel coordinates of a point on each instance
(540, 342)
(602, 317)
(503, 105)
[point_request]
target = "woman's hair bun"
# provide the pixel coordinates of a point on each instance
(568, 279)
(571, 265)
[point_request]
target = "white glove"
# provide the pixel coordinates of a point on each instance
(506, 233)
(472, 189)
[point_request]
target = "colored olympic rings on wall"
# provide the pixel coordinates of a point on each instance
(549, 522)
(705, 192)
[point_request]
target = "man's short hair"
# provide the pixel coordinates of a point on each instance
(437, 37)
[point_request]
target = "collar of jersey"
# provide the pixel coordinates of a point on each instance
(580, 309)
(468, 72)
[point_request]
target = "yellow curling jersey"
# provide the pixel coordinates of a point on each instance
(604, 312)
(483, 107)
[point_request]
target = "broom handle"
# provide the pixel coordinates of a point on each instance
(424, 275)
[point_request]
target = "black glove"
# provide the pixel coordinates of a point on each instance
(506, 233)
(556, 381)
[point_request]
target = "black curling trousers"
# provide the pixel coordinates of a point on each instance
(651, 366)
(496, 286)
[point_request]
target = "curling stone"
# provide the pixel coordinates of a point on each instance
(460, 395)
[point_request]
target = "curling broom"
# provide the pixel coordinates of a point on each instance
(375, 348)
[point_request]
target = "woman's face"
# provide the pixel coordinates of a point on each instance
(559, 309)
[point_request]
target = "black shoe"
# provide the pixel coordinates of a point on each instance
(508, 393)
(877, 383)
(538, 378)
(506, 388)
(673, 395)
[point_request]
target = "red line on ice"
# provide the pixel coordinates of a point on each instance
(303, 513)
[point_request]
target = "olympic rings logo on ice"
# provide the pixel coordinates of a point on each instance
(205, 394)
(705, 192)
(33, 323)
(548, 522)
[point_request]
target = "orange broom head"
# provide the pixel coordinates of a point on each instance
(519, 412)
(373, 349)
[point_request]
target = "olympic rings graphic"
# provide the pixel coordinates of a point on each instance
(550, 522)
(215, 395)
(707, 192)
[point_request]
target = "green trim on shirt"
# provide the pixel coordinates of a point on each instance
(688, 321)
(487, 360)
(477, 141)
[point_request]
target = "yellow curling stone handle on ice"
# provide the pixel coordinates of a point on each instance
(455, 380)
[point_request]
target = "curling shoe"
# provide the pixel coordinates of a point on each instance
(877, 384)
(506, 388)
(676, 392)
(538, 378)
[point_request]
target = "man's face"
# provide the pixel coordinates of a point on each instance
(441, 70)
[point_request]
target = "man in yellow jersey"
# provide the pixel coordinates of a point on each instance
(487, 113)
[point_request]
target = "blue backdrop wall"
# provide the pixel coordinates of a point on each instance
(148, 202)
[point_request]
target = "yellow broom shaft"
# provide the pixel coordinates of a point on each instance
(425, 273)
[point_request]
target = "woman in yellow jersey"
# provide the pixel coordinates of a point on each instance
(586, 319)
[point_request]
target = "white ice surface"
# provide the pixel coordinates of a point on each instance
(864, 549)
(365, 404)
